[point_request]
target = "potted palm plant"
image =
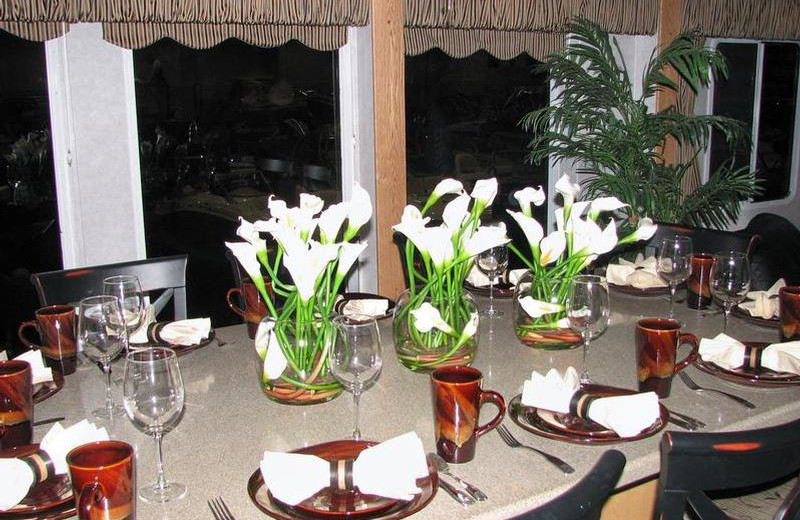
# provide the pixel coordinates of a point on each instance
(597, 121)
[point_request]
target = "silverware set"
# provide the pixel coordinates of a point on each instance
(220, 510)
(685, 421)
(510, 440)
(467, 494)
(688, 381)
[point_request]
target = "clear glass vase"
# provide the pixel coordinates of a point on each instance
(305, 345)
(550, 331)
(426, 351)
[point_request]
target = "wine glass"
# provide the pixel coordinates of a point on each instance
(153, 396)
(355, 357)
(730, 280)
(129, 292)
(674, 264)
(492, 262)
(587, 311)
(101, 341)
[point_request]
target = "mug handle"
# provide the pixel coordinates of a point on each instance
(24, 325)
(692, 356)
(91, 498)
(488, 396)
(229, 297)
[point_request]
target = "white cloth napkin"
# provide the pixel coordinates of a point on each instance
(764, 304)
(727, 352)
(642, 273)
(139, 336)
(40, 372)
(366, 307)
(186, 332)
(627, 415)
(16, 477)
(389, 469)
(478, 278)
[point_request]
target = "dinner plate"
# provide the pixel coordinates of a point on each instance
(773, 323)
(762, 377)
(576, 430)
(326, 504)
(54, 495)
(501, 290)
(636, 291)
(44, 390)
(347, 297)
(180, 350)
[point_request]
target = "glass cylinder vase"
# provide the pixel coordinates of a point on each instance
(549, 331)
(452, 341)
(306, 378)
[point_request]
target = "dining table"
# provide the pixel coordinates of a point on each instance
(228, 422)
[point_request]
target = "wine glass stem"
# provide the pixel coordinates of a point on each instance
(672, 286)
(491, 294)
(585, 373)
(356, 431)
(726, 311)
(109, 399)
(161, 479)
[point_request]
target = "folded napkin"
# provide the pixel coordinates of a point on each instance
(478, 278)
(181, 332)
(726, 352)
(642, 273)
(40, 372)
(18, 475)
(764, 304)
(389, 469)
(366, 307)
(627, 415)
(139, 336)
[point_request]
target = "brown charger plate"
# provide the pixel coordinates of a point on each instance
(54, 495)
(773, 323)
(635, 291)
(762, 377)
(346, 297)
(46, 390)
(321, 506)
(575, 430)
(179, 349)
(501, 290)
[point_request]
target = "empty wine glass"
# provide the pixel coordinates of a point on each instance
(674, 264)
(492, 262)
(355, 357)
(129, 292)
(587, 311)
(101, 341)
(153, 396)
(730, 280)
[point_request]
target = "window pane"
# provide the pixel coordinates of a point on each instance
(220, 129)
(462, 122)
(776, 119)
(734, 97)
(29, 232)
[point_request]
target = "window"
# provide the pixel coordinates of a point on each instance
(220, 129)
(761, 91)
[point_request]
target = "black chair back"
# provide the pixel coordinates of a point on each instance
(692, 463)
(166, 273)
(584, 500)
(777, 254)
(703, 240)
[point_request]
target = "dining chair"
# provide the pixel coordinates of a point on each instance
(164, 276)
(585, 499)
(693, 464)
(777, 254)
(704, 240)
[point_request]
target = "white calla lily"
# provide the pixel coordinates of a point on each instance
(552, 246)
(530, 227)
(582, 233)
(305, 266)
(412, 225)
(485, 191)
(360, 211)
(605, 241)
(311, 203)
(455, 212)
(644, 231)
(439, 245)
(331, 220)
(245, 253)
(248, 231)
(277, 207)
(269, 350)
(427, 317)
(529, 196)
(447, 187)
(537, 308)
(569, 190)
(486, 237)
(602, 204)
(471, 327)
(348, 254)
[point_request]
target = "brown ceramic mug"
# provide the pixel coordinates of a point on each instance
(56, 327)
(789, 303)
(16, 404)
(457, 399)
(254, 306)
(103, 475)
(698, 286)
(657, 342)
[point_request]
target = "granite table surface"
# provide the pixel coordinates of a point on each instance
(228, 422)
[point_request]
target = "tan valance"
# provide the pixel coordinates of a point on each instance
(320, 25)
(506, 28)
(753, 19)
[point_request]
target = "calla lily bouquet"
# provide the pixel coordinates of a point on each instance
(582, 234)
(435, 322)
(317, 248)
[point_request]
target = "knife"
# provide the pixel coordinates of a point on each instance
(683, 424)
(457, 495)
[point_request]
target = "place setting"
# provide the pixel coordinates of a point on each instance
(761, 307)
(364, 304)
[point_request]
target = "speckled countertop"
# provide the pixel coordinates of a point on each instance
(228, 422)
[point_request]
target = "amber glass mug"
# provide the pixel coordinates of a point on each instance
(254, 307)
(103, 475)
(657, 342)
(16, 404)
(56, 327)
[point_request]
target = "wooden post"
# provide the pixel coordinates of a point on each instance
(388, 67)
(670, 14)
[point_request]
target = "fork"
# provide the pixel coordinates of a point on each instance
(220, 510)
(509, 439)
(699, 389)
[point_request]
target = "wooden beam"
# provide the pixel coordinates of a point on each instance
(669, 26)
(388, 51)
